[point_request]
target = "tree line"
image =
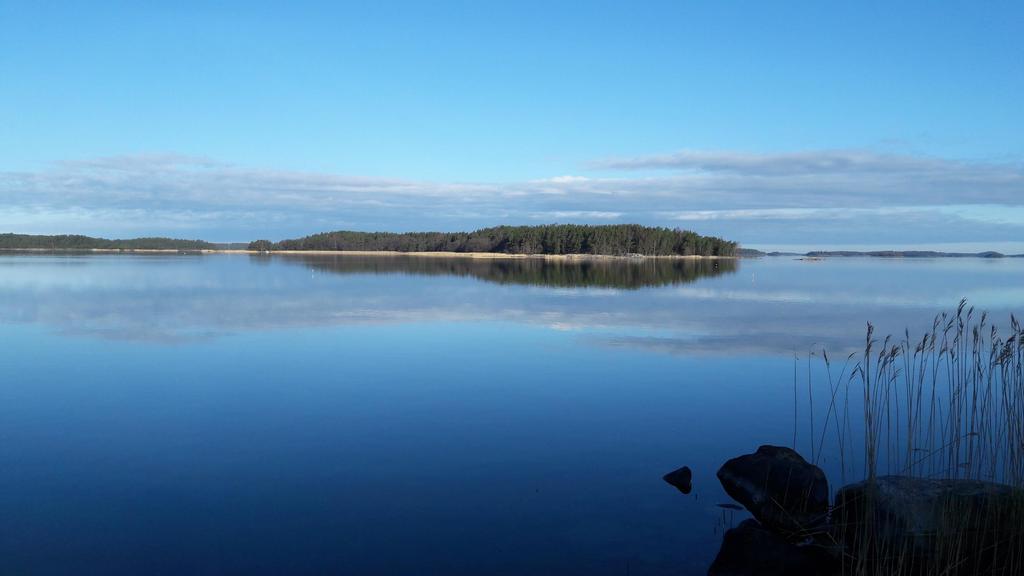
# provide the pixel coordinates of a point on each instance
(609, 240)
(77, 242)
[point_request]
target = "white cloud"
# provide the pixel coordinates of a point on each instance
(566, 179)
(843, 177)
(797, 213)
(790, 163)
(577, 215)
(166, 193)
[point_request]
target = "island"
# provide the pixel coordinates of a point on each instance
(552, 239)
(77, 242)
(820, 254)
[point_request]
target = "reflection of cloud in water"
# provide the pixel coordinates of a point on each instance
(774, 306)
(980, 297)
(762, 344)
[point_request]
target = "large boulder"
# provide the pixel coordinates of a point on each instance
(750, 549)
(926, 526)
(781, 489)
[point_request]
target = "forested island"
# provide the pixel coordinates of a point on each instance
(554, 239)
(77, 242)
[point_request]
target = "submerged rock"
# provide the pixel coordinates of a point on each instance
(781, 489)
(681, 479)
(922, 526)
(751, 549)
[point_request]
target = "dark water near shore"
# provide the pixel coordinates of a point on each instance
(230, 414)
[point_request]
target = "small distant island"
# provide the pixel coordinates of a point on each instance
(78, 242)
(751, 253)
(907, 254)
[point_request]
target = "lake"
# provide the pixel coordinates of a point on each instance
(216, 414)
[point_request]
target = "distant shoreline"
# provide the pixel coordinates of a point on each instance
(890, 254)
(569, 240)
(380, 253)
(745, 254)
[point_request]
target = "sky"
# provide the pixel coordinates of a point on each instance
(782, 125)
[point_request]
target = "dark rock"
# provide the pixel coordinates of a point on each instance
(925, 526)
(781, 489)
(751, 549)
(681, 479)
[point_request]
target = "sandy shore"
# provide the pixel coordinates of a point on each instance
(382, 253)
(478, 255)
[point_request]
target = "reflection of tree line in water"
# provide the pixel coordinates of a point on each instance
(625, 274)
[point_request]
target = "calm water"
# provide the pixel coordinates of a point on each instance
(235, 414)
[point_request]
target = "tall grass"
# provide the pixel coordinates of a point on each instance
(948, 404)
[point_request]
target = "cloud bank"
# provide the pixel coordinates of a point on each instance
(755, 198)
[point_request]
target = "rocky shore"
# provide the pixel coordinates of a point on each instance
(886, 525)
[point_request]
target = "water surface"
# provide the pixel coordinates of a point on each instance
(239, 414)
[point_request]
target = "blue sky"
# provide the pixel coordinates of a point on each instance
(776, 124)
